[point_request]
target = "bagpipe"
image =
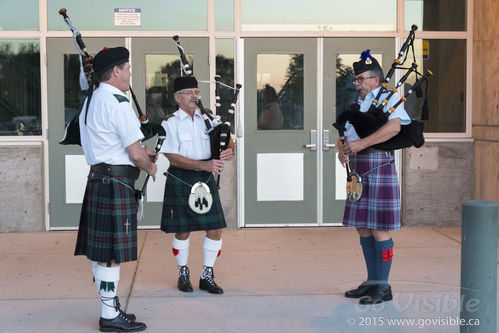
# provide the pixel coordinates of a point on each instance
(218, 131)
(72, 130)
(366, 123)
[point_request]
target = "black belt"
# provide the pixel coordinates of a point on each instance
(126, 171)
(372, 150)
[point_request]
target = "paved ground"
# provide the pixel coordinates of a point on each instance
(275, 280)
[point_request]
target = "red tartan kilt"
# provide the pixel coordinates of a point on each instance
(379, 205)
(107, 209)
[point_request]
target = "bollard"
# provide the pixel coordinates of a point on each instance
(479, 267)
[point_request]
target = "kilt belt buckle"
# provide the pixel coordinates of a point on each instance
(102, 178)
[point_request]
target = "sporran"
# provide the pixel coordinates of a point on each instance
(200, 199)
(354, 186)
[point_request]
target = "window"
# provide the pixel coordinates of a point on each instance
(319, 15)
(279, 91)
(19, 15)
(20, 106)
(154, 14)
(436, 15)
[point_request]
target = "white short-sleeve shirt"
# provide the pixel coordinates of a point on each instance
(186, 136)
(399, 112)
(111, 127)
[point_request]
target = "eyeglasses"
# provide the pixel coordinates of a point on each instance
(361, 79)
(188, 92)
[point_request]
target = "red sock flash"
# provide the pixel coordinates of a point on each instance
(387, 255)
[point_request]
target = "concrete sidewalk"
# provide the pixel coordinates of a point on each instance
(275, 280)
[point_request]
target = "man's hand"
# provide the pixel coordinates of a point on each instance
(227, 154)
(354, 146)
(151, 154)
(141, 158)
(216, 166)
(152, 171)
(344, 159)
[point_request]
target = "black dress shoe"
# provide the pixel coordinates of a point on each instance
(120, 324)
(208, 283)
(130, 316)
(360, 291)
(184, 282)
(377, 295)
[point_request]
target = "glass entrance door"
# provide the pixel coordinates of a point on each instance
(155, 64)
(291, 172)
(280, 129)
(339, 93)
(67, 167)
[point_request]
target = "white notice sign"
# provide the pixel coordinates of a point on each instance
(127, 17)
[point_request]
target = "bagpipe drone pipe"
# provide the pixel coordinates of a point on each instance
(366, 123)
(218, 131)
(72, 130)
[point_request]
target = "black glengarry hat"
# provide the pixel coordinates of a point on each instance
(367, 62)
(184, 82)
(108, 58)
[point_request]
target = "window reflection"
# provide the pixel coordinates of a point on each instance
(161, 70)
(346, 93)
(20, 106)
(225, 68)
(279, 91)
(345, 89)
(441, 102)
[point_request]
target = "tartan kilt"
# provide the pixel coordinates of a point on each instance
(379, 205)
(177, 216)
(106, 210)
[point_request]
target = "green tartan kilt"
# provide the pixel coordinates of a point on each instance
(177, 216)
(108, 222)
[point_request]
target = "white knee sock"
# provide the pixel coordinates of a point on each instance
(106, 280)
(180, 250)
(212, 249)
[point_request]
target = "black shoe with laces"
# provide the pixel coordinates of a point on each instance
(363, 290)
(130, 316)
(377, 295)
(121, 323)
(184, 282)
(207, 282)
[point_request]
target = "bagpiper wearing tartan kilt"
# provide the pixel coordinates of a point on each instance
(377, 211)
(110, 137)
(191, 201)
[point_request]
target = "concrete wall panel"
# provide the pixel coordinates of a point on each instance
(437, 180)
(21, 189)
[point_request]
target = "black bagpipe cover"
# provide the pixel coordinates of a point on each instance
(409, 135)
(365, 123)
(72, 132)
(150, 130)
(215, 142)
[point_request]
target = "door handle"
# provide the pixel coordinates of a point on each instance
(313, 139)
(325, 141)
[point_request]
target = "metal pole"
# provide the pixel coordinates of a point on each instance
(479, 267)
